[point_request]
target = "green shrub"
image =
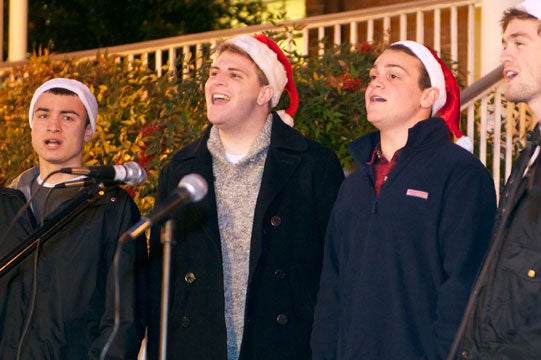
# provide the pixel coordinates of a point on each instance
(146, 118)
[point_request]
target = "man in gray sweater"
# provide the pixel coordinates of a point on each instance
(246, 266)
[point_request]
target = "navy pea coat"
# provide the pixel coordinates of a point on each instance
(300, 181)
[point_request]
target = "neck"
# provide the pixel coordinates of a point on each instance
(391, 142)
(239, 142)
(45, 172)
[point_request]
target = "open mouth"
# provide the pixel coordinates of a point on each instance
(52, 142)
(509, 74)
(217, 98)
(377, 99)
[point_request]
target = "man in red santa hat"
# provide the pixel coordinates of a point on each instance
(245, 269)
(409, 227)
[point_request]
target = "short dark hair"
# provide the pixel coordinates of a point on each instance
(424, 79)
(62, 91)
(227, 46)
(514, 13)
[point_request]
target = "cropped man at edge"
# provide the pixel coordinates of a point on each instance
(58, 302)
(503, 317)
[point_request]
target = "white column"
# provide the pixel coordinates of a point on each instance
(18, 30)
(1, 30)
(491, 32)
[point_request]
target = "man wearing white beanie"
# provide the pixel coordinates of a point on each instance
(58, 301)
(503, 317)
(245, 270)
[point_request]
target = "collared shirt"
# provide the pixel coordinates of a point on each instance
(382, 167)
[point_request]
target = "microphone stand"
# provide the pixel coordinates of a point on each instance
(45, 232)
(167, 241)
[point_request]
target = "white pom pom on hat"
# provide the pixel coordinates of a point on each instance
(268, 56)
(83, 92)
(447, 105)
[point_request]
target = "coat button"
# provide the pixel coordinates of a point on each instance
(281, 319)
(279, 274)
(189, 277)
(185, 321)
(275, 221)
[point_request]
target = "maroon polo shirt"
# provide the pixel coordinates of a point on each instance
(382, 167)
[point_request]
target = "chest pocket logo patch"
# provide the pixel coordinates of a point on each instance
(417, 193)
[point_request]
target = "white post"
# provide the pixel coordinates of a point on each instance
(491, 32)
(1, 30)
(18, 33)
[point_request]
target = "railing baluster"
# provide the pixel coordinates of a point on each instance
(158, 64)
(370, 31)
(454, 35)
(497, 140)
(420, 27)
(403, 19)
(437, 31)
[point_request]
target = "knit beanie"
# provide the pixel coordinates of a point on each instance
(83, 92)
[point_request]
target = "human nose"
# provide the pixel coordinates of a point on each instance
(507, 55)
(375, 82)
(53, 124)
(216, 79)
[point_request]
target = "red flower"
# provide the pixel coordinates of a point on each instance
(146, 133)
(352, 84)
(365, 47)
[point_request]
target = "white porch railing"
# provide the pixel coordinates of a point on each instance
(494, 125)
(428, 21)
(497, 127)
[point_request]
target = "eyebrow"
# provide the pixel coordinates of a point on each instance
(63, 112)
(515, 35)
(390, 66)
(228, 69)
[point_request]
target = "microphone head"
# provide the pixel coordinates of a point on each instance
(135, 174)
(195, 185)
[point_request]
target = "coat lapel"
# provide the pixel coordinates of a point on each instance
(283, 158)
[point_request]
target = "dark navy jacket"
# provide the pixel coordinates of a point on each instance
(73, 304)
(398, 268)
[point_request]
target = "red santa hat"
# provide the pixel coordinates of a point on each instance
(447, 105)
(268, 56)
(532, 7)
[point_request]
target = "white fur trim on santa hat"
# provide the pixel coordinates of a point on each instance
(286, 118)
(465, 142)
(83, 92)
(433, 68)
(266, 60)
(532, 7)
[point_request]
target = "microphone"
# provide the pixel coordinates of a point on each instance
(130, 173)
(191, 188)
(75, 183)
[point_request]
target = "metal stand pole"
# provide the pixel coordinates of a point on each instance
(167, 241)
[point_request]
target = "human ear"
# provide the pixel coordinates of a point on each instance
(88, 133)
(429, 97)
(265, 95)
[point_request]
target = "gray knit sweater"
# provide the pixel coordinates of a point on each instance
(237, 187)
